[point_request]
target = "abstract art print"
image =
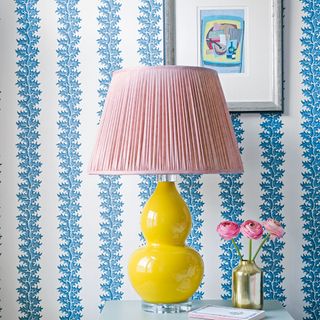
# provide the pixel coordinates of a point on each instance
(222, 39)
(240, 39)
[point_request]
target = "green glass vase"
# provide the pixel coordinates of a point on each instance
(247, 286)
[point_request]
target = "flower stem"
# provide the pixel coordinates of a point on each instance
(261, 245)
(250, 250)
(237, 249)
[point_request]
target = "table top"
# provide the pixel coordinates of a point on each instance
(131, 310)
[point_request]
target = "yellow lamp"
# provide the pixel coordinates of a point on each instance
(165, 270)
(165, 120)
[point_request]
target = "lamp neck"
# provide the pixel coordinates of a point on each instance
(166, 178)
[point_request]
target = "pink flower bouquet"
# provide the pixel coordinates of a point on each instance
(252, 230)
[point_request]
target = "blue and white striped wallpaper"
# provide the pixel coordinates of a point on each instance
(66, 236)
(29, 168)
(310, 135)
(70, 163)
(111, 205)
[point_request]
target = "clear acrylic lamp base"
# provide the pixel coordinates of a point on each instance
(167, 307)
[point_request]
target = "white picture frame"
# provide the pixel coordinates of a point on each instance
(259, 85)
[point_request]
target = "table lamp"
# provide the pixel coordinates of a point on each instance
(165, 120)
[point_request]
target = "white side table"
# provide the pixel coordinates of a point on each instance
(125, 310)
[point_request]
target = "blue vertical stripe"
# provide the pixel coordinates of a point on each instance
(232, 204)
(271, 207)
(110, 196)
(149, 43)
(311, 165)
(29, 160)
(150, 54)
(109, 53)
(69, 157)
(110, 234)
(190, 187)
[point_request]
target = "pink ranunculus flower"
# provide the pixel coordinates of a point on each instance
(252, 229)
(274, 228)
(228, 230)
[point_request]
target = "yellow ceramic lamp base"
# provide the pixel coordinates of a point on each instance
(165, 270)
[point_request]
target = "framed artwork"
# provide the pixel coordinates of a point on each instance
(240, 39)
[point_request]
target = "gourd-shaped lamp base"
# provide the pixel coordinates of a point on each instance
(165, 271)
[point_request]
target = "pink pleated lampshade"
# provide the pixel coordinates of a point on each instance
(165, 120)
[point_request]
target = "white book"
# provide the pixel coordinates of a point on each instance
(226, 313)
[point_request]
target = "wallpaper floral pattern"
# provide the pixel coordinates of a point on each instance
(29, 160)
(311, 146)
(29, 293)
(110, 196)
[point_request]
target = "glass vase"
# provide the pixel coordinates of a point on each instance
(247, 286)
